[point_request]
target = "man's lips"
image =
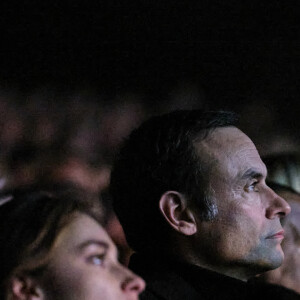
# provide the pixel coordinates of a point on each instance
(277, 235)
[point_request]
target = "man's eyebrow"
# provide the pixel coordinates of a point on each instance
(93, 242)
(252, 173)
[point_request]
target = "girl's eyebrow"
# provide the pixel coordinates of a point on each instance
(97, 243)
(92, 242)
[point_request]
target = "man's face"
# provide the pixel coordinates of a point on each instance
(288, 274)
(245, 236)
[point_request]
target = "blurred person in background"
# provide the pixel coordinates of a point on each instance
(115, 230)
(53, 246)
(53, 136)
(284, 168)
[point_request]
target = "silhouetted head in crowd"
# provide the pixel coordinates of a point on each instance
(54, 247)
(288, 274)
(190, 185)
(115, 230)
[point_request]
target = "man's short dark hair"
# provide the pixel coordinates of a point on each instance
(157, 157)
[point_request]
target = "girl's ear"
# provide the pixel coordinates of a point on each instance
(25, 288)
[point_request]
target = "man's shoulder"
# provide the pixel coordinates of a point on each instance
(274, 292)
(162, 281)
(176, 281)
(165, 281)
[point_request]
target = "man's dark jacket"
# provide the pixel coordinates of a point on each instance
(169, 280)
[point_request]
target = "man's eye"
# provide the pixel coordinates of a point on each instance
(253, 187)
(97, 260)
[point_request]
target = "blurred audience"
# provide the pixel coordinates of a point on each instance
(51, 137)
(115, 230)
(284, 168)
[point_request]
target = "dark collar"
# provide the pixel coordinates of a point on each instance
(168, 279)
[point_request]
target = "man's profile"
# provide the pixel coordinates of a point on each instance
(189, 189)
(288, 274)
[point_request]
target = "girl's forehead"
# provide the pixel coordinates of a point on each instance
(80, 228)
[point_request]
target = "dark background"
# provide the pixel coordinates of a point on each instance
(241, 55)
(230, 47)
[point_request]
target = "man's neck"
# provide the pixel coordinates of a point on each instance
(231, 270)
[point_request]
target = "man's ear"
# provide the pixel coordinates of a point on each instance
(25, 288)
(173, 206)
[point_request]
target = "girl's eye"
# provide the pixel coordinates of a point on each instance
(97, 260)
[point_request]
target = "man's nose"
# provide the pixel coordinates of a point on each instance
(277, 207)
(133, 284)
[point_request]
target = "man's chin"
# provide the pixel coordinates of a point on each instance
(266, 260)
(278, 258)
(275, 259)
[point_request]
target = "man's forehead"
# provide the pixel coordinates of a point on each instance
(224, 140)
(230, 147)
(223, 135)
